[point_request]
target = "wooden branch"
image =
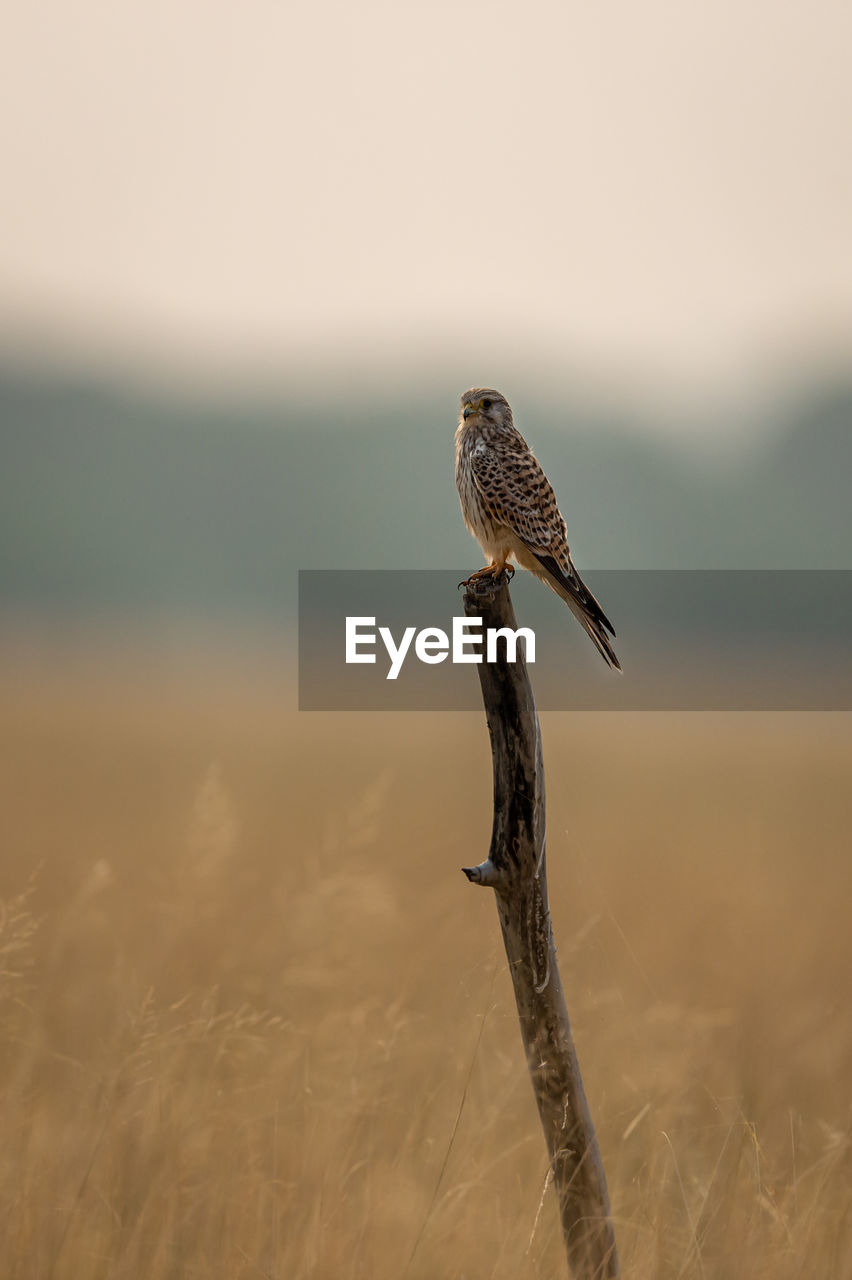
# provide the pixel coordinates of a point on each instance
(516, 870)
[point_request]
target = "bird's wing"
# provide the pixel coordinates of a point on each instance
(518, 494)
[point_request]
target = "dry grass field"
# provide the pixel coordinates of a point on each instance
(255, 1023)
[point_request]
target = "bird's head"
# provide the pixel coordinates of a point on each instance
(486, 407)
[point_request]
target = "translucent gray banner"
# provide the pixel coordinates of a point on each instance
(688, 640)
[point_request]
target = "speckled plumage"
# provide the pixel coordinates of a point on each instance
(509, 506)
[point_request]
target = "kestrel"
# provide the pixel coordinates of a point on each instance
(510, 508)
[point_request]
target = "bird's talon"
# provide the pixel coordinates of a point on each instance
(490, 573)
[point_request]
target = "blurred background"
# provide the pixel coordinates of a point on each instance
(251, 258)
(251, 1020)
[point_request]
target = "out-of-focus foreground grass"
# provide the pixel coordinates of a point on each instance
(248, 998)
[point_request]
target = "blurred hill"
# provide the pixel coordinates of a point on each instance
(111, 498)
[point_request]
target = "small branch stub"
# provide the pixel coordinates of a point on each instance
(516, 869)
(485, 874)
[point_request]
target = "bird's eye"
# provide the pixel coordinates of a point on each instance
(486, 404)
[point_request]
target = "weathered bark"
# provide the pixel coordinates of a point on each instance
(516, 870)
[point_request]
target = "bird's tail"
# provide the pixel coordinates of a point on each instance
(570, 586)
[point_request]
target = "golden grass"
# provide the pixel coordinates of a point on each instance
(246, 996)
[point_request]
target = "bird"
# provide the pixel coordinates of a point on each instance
(509, 506)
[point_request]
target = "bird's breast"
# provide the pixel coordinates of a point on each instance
(474, 511)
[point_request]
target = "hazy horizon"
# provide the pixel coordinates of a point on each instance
(658, 199)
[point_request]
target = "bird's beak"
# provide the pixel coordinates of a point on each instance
(468, 410)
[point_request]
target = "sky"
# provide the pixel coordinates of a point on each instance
(657, 192)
